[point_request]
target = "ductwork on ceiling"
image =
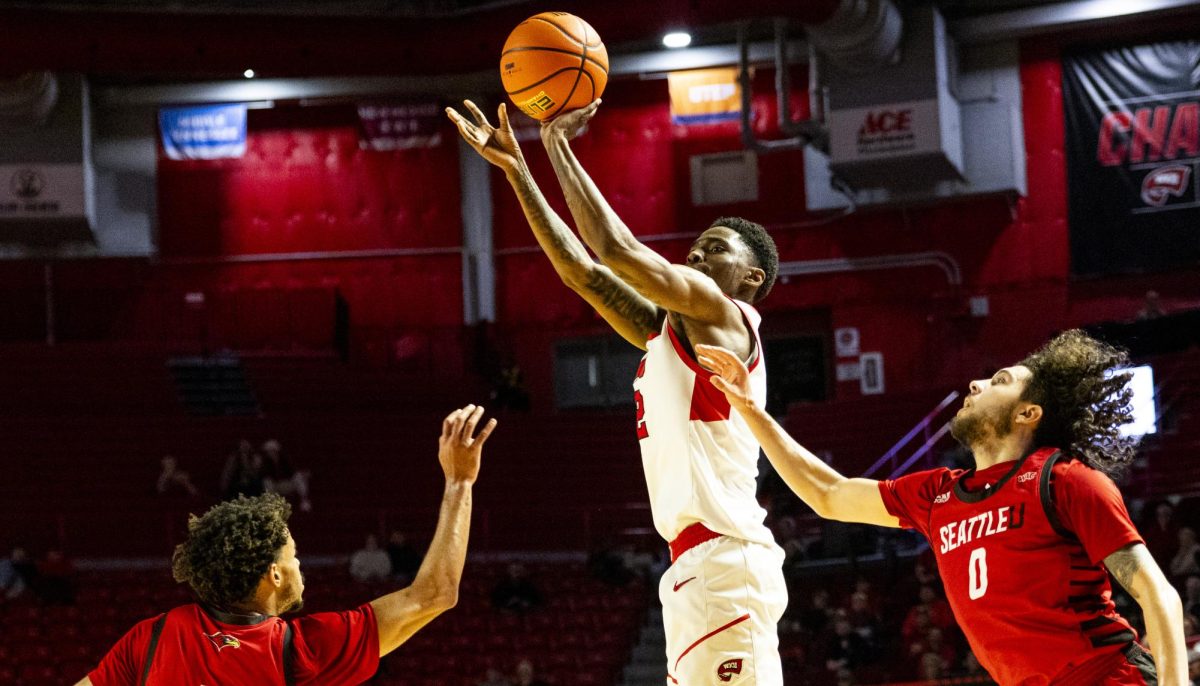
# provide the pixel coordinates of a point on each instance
(860, 36)
(27, 100)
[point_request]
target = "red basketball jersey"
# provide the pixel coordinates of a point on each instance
(1033, 599)
(191, 646)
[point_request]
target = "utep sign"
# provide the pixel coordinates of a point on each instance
(704, 96)
(207, 132)
(1133, 157)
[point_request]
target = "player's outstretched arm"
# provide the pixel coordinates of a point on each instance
(84, 682)
(827, 492)
(670, 286)
(630, 314)
(435, 589)
(1137, 571)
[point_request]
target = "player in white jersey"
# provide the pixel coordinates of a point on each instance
(724, 593)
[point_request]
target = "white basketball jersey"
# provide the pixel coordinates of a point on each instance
(701, 459)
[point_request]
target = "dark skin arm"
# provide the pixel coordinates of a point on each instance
(700, 310)
(629, 313)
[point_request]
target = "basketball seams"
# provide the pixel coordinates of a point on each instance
(536, 48)
(578, 74)
(561, 30)
(542, 81)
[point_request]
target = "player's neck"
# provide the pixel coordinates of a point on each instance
(994, 451)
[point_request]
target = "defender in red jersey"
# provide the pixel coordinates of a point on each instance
(1025, 541)
(241, 562)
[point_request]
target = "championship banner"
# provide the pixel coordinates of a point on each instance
(400, 126)
(704, 96)
(1133, 152)
(207, 132)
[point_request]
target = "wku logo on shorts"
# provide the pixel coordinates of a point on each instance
(1164, 182)
(221, 641)
(728, 669)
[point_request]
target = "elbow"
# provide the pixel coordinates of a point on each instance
(437, 598)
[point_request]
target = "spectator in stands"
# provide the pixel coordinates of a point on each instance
(846, 649)
(494, 678)
(1151, 307)
(1194, 664)
(173, 480)
(916, 625)
(516, 592)
(971, 666)
(1191, 596)
(934, 643)
(279, 476)
(243, 472)
(525, 675)
(13, 580)
(607, 564)
(932, 667)
(56, 579)
(864, 618)
(1185, 562)
(815, 618)
(1161, 533)
(26, 570)
(509, 390)
(404, 558)
(370, 563)
(939, 610)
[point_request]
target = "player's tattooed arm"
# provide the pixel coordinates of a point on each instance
(1138, 573)
(628, 312)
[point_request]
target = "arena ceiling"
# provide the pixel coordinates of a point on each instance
(404, 8)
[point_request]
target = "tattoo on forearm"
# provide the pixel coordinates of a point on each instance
(622, 299)
(542, 222)
(1124, 564)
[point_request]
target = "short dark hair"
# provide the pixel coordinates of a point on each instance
(1078, 384)
(230, 547)
(755, 236)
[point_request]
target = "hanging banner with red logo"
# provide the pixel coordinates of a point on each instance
(400, 126)
(1133, 152)
(704, 96)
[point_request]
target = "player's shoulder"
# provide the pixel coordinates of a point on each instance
(1073, 473)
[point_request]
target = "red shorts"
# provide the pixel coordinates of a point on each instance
(1131, 666)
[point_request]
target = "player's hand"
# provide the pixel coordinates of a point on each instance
(459, 448)
(730, 376)
(571, 124)
(497, 145)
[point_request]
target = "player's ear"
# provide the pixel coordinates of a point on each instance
(275, 575)
(1029, 413)
(754, 277)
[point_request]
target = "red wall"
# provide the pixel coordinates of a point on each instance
(306, 186)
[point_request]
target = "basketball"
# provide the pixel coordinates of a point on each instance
(552, 63)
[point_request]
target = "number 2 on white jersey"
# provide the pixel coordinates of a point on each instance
(978, 573)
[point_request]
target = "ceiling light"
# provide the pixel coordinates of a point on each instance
(677, 39)
(249, 73)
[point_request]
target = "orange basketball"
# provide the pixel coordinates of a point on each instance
(553, 62)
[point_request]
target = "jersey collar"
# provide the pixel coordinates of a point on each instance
(986, 492)
(235, 618)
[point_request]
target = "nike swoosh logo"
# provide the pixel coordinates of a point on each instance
(681, 584)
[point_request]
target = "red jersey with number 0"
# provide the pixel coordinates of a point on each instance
(1035, 604)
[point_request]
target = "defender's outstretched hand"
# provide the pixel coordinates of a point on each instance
(571, 124)
(496, 145)
(459, 449)
(730, 376)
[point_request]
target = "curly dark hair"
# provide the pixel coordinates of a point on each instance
(761, 244)
(230, 547)
(1084, 399)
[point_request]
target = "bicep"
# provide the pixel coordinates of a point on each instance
(859, 501)
(399, 615)
(672, 287)
(627, 311)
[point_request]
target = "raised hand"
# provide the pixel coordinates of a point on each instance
(730, 376)
(459, 449)
(571, 124)
(496, 145)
